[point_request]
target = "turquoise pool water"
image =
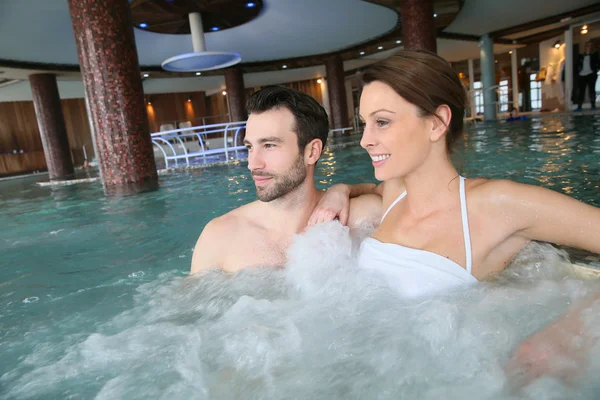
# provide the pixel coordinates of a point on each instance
(73, 262)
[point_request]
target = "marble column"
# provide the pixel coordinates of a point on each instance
(488, 77)
(51, 122)
(236, 95)
(111, 77)
(336, 89)
(514, 77)
(418, 25)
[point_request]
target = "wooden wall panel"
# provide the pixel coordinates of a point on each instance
(172, 108)
(310, 87)
(78, 130)
(19, 131)
(11, 164)
(216, 108)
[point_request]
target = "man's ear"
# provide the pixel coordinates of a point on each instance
(312, 151)
(440, 122)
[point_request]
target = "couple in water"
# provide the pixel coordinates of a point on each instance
(436, 230)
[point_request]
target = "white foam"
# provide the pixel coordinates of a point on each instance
(318, 329)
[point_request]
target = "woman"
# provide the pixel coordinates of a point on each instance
(440, 231)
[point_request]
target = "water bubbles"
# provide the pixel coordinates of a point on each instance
(33, 299)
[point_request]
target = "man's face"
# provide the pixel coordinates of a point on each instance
(276, 164)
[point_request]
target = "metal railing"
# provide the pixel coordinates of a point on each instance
(176, 141)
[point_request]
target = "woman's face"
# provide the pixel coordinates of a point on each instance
(395, 136)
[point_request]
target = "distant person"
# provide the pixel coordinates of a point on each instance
(514, 116)
(587, 69)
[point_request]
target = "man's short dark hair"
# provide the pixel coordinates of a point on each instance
(311, 121)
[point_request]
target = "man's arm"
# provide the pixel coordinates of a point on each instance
(207, 253)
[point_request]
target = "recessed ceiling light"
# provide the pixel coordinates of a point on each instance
(143, 25)
(214, 28)
(224, 93)
(284, 66)
(198, 73)
(398, 41)
(362, 53)
(319, 81)
(510, 52)
(146, 75)
(250, 4)
(434, 15)
(380, 48)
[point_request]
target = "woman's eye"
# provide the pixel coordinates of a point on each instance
(381, 123)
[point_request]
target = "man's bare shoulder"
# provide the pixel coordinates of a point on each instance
(210, 249)
(231, 222)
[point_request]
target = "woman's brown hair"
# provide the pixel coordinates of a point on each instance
(425, 80)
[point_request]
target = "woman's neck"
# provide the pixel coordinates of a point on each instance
(432, 186)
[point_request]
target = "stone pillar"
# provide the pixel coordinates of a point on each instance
(472, 89)
(418, 25)
(111, 77)
(488, 77)
(236, 95)
(514, 77)
(336, 88)
(51, 122)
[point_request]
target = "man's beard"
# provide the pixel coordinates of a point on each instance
(282, 184)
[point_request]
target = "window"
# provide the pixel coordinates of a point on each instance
(535, 88)
(477, 88)
(503, 94)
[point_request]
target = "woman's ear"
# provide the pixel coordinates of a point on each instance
(441, 121)
(312, 151)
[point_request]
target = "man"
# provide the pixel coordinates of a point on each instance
(587, 68)
(285, 135)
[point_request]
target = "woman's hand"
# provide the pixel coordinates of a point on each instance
(559, 350)
(335, 203)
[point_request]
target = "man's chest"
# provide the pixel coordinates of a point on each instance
(253, 249)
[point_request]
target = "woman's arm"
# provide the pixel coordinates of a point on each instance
(336, 202)
(545, 215)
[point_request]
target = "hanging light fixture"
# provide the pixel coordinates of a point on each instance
(200, 59)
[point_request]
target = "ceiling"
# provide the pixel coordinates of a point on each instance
(38, 33)
(479, 17)
(284, 29)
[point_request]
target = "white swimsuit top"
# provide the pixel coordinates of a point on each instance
(413, 272)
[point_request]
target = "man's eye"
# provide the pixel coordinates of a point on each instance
(269, 145)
